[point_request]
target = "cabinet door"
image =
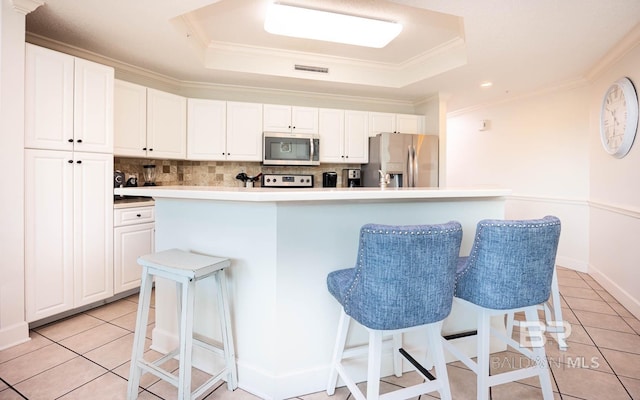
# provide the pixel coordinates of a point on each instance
(130, 242)
(304, 119)
(206, 129)
(356, 137)
(93, 227)
(277, 118)
(331, 129)
(381, 122)
(130, 119)
(48, 233)
(406, 123)
(166, 125)
(48, 99)
(93, 107)
(244, 131)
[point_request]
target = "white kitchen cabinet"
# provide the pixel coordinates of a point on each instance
(396, 123)
(244, 131)
(343, 136)
(278, 118)
(130, 119)
(68, 102)
(206, 129)
(133, 236)
(166, 125)
(68, 230)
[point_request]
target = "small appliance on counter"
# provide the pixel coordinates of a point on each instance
(118, 182)
(351, 178)
(149, 175)
(329, 179)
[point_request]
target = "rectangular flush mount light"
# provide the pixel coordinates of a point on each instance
(308, 23)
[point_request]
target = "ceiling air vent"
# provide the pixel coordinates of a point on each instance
(311, 68)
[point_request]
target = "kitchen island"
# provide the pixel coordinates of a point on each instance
(283, 243)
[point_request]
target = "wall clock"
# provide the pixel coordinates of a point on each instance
(619, 118)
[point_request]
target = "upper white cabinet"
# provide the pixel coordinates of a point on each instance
(68, 102)
(344, 136)
(149, 122)
(130, 119)
(278, 118)
(244, 131)
(206, 129)
(166, 125)
(395, 123)
(68, 230)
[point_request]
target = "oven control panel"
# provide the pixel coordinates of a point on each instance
(287, 181)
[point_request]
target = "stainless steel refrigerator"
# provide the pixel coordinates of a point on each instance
(410, 160)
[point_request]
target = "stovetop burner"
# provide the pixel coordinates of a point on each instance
(287, 181)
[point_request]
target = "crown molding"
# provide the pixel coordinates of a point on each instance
(26, 6)
(162, 82)
(630, 41)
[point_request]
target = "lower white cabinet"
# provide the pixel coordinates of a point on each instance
(133, 236)
(68, 230)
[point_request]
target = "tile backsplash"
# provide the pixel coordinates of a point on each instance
(215, 173)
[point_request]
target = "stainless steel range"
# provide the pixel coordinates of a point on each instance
(287, 181)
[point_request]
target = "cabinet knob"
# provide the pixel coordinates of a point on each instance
(150, 149)
(70, 140)
(79, 162)
(138, 215)
(79, 140)
(70, 161)
(144, 148)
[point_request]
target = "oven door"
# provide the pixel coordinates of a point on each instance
(291, 149)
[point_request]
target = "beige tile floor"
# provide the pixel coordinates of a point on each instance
(87, 357)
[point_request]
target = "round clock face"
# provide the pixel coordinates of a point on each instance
(619, 118)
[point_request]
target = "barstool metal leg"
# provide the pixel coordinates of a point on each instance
(137, 353)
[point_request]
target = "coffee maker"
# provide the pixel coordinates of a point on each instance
(351, 178)
(329, 179)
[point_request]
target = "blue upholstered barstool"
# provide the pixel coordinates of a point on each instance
(510, 269)
(185, 269)
(403, 279)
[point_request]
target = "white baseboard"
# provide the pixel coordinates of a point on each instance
(13, 335)
(627, 300)
(572, 263)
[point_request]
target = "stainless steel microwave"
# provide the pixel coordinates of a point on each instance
(291, 149)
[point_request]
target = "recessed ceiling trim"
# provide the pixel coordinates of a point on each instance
(268, 61)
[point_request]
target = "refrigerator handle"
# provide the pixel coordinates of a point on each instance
(409, 167)
(416, 169)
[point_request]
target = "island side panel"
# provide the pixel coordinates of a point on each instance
(315, 239)
(247, 235)
(283, 316)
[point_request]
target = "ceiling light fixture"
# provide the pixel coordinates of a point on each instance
(308, 23)
(486, 84)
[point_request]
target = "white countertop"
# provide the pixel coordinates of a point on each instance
(258, 194)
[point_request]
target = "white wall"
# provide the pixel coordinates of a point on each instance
(547, 148)
(13, 328)
(537, 146)
(614, 239)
